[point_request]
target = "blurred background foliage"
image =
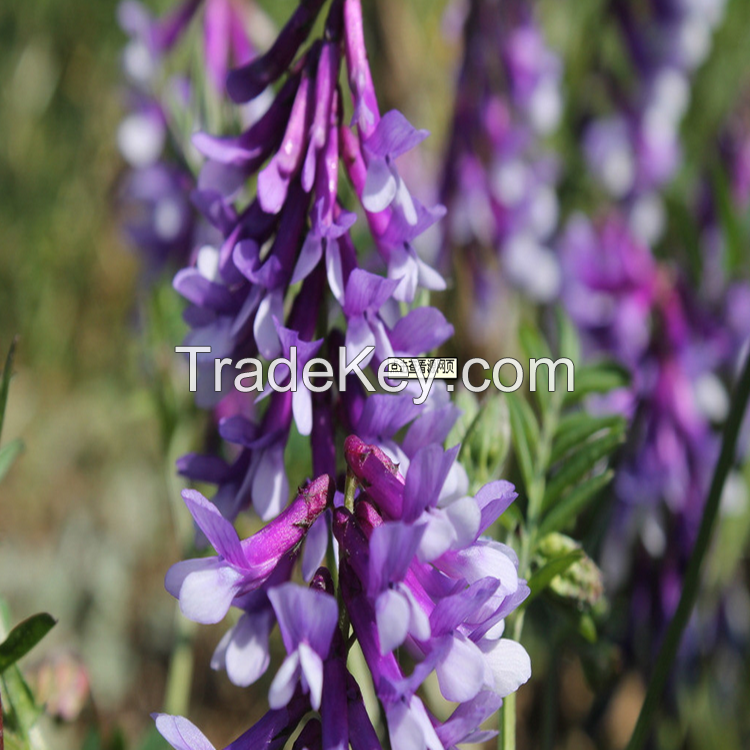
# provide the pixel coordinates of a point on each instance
(86, 531)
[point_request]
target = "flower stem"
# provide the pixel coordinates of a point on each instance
(535, 493)
(676, 628)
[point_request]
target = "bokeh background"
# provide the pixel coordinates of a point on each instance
(87, 515)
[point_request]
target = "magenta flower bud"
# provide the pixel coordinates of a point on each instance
(377, 473)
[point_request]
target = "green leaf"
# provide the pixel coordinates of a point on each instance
(8, 454)
(578, 465)
(547, 573)
(574, 503)
(579, 427)
(730, 226)
(5, 382)
(22, 711)
(535, 347)
(23, 638)
(601, 377)
(570, 344)
(525, 435)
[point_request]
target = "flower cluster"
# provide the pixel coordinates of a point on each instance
(677, 346)
(289, 248)
(633, 153)
(499, 184)
(415, 579)
(277, 267)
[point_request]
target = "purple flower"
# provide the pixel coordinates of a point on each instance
(206, 587)
(307, 619)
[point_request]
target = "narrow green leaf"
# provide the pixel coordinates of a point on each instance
(574, 503)
(570, 343)
(577, 428)
(8, 454)
(730, 226)
(545, 575)
(22, 711)
(533, 344)
(520, 434)
(598, 378)
(23, 638)
(5, 382)
(578, 465)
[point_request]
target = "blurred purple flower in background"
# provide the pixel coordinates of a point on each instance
(636, 150)
(499, 183)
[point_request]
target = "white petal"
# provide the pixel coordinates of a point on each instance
(380, 187)
(438, 536)
(465, 516)
(264, 328)
(283, 685)
(302, 410)
(270, 484)
(312, 669)
(510, 665)
(392, 614)
(404, 200)
(334, 270)
(461, 672)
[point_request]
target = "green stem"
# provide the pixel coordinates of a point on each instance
(550, 419)
(180, 674)
(676, 628)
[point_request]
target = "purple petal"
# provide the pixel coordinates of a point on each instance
(304, 615)
(420, 331)
(427, 473)
(219, 532)
(393, 546)
(247, 82)
(493, 500)
(359, 336)
(194, 287)
(367, 291)
(244, 651)
(316, 544)
(309, 257)
(393, 136)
